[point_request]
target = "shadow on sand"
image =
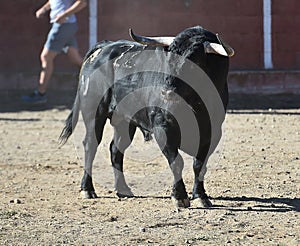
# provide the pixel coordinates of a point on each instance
(276, 205)
(273, 204)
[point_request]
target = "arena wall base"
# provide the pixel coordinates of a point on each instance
(264, 82)
(243, 82)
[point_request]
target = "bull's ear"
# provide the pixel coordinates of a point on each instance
(152, 41)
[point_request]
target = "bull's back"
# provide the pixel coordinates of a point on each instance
(106, 51)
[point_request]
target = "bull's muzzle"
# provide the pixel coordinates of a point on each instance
(169, 96)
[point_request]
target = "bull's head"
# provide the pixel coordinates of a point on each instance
(220, 48)
(202, 47)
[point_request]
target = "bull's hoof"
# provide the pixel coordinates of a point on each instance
(121, 195)
(182, 203)
(124, 192)
(203, 202)
(85, 194)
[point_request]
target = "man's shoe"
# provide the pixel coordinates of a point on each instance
(35, 98)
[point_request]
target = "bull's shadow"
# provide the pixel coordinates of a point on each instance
(274, 204)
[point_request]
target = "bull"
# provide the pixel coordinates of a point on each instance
(172, 88)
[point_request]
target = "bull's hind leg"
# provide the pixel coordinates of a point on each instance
(199, 193)
(123, 135)
(90, 148)
(94, 131)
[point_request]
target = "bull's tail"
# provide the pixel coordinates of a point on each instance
(70, 122)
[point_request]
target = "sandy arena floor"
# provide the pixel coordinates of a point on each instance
(254, 182)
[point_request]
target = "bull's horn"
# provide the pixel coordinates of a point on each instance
(214, 48)
(154, 41)
(229, 50)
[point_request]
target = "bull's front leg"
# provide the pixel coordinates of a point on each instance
(179, 194)
(121, 187)
(199, 193)
(123, 135)
(168, 140)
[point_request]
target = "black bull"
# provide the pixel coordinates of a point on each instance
(173, 88)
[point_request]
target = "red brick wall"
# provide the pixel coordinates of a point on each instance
(240, 22)
(286, 34)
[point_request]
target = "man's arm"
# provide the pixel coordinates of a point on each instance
(76, 7)
(43, 10)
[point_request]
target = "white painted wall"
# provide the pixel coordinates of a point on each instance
(93, 21)
(268, 63)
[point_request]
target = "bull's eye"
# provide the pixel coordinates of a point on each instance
(169, 80)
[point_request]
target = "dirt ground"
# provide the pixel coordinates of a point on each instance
(253, 182)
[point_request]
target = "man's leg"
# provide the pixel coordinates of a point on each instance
(47, 62)
(38, 96)
(74, 56)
